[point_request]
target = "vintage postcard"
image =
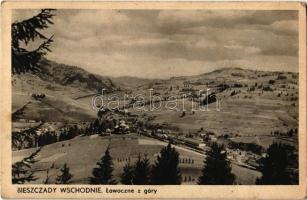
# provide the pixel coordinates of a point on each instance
(153, 100)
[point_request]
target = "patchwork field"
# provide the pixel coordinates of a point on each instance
(254, 107)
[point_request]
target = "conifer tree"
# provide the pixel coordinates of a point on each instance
(46, 181)
(274, 166)
(65, 176)
(166, 171)
(26, 31)
(21, 169)
(127, 175)
(102, 175)
(217, 169)
(142, 171)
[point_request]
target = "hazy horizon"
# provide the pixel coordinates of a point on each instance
(160, 44)
(155, 78)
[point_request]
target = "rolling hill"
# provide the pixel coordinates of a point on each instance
(61, 84)
(67, 75)
(128, 82)
(254, 105)
(261, 99)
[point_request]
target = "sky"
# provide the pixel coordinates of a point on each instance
(167, 43)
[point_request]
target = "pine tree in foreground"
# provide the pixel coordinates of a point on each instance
(21, 169)
(65, 176)
(275, 164)
(166, 171)
(26, 31)
(46, 181)
(102, 175)
(142, 171)
(217, 169)
(127, 175)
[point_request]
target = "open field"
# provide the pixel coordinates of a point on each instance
(82, 153)
(252, 106)
(256, 112)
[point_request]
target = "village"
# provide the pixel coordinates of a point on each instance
(120, 123)
(124, 121)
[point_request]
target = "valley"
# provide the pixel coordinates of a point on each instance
(140, 116)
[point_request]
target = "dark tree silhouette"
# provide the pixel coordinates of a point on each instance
(65, 176)
(166, 171)
(102, 175)
(275, 166)
(127, 175)
(217, 169)
(21, 169)
(142, 171)
(46, 181)
(26, 31)
(46, 138)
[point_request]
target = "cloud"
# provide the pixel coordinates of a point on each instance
(222, 18)
(264, 39)
(287, 27)
(76, 25)
(163, 43)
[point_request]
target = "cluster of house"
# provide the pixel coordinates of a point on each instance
(244, 158)
(121, 128)
(198, 143)
(38, 96)
(208, 137)
(161, 134)
(164, 135)
(201, 144)
(43, 130)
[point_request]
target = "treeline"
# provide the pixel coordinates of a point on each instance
(46, 138)
(98, 126)
(165, 171)
(33, 137)
(289, 133)
(278, 167)
(70, 132)
(26, 138)
(66, 133)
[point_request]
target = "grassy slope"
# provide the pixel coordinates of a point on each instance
(82, 153)
(246, 113)
(58, 105)
(257, 114)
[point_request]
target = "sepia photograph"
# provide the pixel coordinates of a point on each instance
(138, 96)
